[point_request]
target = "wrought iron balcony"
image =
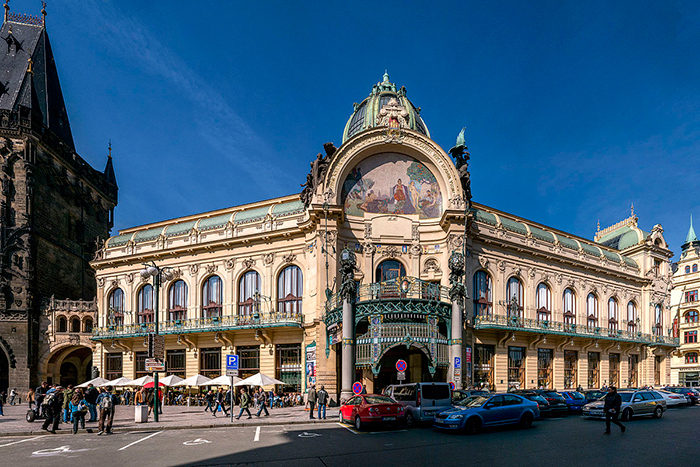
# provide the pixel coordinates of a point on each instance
(219, 323)
(515, 323)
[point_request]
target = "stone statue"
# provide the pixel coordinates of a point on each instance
(461, 156)
(456, 264)
(315, 177)
(348, 265)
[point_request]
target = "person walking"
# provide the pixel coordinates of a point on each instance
(210, 402)
(91, 397)
(1, 403)
(322, 398)
(245, 404)
(139, 397)
(13, 395)
(30, 398)
(107, 403)
(67, 396)
(220, 402)
(262, 400)
(39, 395)
(312, 400)
(613, 402)
(52, 404)
(79, 408)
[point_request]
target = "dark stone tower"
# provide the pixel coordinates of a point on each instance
(54, 207)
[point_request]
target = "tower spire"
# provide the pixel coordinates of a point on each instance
(43, 14)
(691, 237)
(7, 9)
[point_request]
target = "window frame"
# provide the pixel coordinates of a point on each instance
(544, 302)
(290, 301)
(177, 300)
(212, 308)
(483, 293)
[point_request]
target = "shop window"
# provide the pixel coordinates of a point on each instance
(544, 302)
(657, 369)
(176, 362)
(569, 306)
(570, 369)
(248, 360)
(113, 366)
(544, 368)
(115, 315)
(145, 304)
(691, 357)
(140, 364)
(177, 301)
(483, 366)
(248, 290)
(288, 360)
(483, 294)
(632, 370)
(290, 289)
(614, 367)
(516, 367)
(593, 370)
(210, 362)
(212, 297)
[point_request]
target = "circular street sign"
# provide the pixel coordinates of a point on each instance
(400, 365)
(357, 388)
(452, 386)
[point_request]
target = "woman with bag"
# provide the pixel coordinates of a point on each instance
(79, 408)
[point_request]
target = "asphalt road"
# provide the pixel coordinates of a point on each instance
(570, 441)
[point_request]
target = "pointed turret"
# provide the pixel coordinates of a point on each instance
(691, 240)
(109, 168)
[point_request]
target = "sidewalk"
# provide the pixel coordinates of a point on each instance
(172, 418)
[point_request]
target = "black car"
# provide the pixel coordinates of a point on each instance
(459, 395)
(533, 396)
(691, 394)
(593, 395)
(557, 403)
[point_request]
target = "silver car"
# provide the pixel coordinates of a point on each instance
(634, 403)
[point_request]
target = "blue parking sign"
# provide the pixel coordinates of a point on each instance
(458, 362)
(232, 362)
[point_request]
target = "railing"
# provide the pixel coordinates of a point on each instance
(221, 323)
(575, 330)
(393, 334)
(407, 288)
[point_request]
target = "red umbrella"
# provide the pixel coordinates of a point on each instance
(150, 385)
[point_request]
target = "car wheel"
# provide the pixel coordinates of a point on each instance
(658, 412)
(526, 421)
(31, 416)
(626, 415)
(472, 426)
(340, 416)
(410, 421)
(358, 423)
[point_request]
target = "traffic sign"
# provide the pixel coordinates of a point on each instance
(154, 364)
(452, 386)
(231, 372)
(401, 376)
(231, 362)
(401, 365)
(458, 362)
(357, 388)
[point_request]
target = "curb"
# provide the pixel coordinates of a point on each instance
(151, 427)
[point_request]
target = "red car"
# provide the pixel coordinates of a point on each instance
(371, 408)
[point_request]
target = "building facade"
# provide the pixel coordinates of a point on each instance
(383, 257)
(685, 369)
(53, 209)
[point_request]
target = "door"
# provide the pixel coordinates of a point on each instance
(494, 414)
(512, 408)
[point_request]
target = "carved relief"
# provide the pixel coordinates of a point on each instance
(431, 264)
(415, 250)
(229, 263)
(289, 258)
(194, 269)
(368, 248)
(268, 259)
(457, 202)
(100, 282)
(391, 251)
(368, 231)
(456, 241)
(415, 232)
(248, 263)
(484, 262)
(502, 266)
(532, 273)
(211, 268)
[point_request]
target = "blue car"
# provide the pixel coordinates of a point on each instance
(476, 412)
(574, 400)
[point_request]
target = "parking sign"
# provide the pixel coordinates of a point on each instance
(458, 362)
(232, 362)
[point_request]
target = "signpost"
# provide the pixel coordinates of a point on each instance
(401, 376)
(232, 371)
(357, 388)
(154, 365)
(400, 365)
(458, 367)
(401, 369)
(452, 386)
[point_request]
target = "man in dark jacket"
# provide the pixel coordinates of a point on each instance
(107, 403)
(613, 402)
(52, 405)
(312, 400)
(91, 398)
(263, 403)
(39, 394)
(322, 398)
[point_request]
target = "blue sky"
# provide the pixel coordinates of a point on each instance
(574, 110)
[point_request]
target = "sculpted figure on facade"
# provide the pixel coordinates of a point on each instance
(457, 289)
(348, 265)
(461, 156)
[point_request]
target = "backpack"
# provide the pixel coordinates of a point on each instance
(82, 406)
(48, 399)
(106, 402)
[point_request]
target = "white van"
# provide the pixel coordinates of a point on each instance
(421, 400)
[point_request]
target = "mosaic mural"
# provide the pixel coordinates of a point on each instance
(392, 184)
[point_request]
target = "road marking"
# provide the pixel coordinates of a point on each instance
(196, 442)
(257, 434)
(347, 427)
(309, 435)
(22, 441)
(139, 440)
(56, 451)
(388, 431)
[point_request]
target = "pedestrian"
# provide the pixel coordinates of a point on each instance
(67, 396)
(138, 397)
(51, 405)
(40, 393)
(262, 401)
(13, 395)
(613, 402)
(579, 388)
(1, 403)
(30, 397)
(322, 398)
(91, 397)
(78, 408)
(312, 400)
(127, 397)
(220, 402)
(150, 400)
(107, 403)
(210, 402)
(245, 404)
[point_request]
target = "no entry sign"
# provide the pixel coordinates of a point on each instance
(357, 388)
(452, 386)
(401, 365)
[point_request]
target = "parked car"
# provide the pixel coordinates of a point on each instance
(557, 403)
(634, 403)
(459, 395)
(593, 395)
(673, 399)
(371, 408)
(542, 403)
(421, 401)
(574, 400)
(476, 412)
(691, 394)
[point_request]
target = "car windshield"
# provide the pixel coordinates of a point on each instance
(576, 395)
(474, 401)
(626, 396)
(379, 400)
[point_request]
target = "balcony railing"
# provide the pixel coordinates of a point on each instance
(221, 323)
(515, 323)
(407, 288)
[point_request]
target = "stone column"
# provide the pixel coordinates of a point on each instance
(457, 295)
(348, 289)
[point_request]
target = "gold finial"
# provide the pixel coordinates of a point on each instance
(632, 209)
(43, 13)
(7, 8)
(29, 68)
(110, 148)
(598, 226)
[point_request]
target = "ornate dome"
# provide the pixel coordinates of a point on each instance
(387, 107)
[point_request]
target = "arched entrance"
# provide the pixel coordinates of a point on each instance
(4, 372)
(69, 374)
(69, 365)
(418, 367)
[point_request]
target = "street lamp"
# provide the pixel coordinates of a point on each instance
(151, 270)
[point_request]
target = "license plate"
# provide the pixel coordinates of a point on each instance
(388, 419)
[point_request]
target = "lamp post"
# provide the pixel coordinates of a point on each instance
(151, 270)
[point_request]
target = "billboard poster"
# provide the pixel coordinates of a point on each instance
(310, 364)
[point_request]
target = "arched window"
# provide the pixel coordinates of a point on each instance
(631, 317)
(592, 310)
(695, 268)
(115, 316)
(389, 269)
(691, 316)
(514, 292)
(145, 304)
(483, 294)
(177, 301)
(87, 325)
(211, 297)
(544, 302)
(62, 324)
(612, 314)
(658, 321)
(687, 269)
(290, 288)
(569, 306)
(75, 324)
(691, 357)
(248, 286)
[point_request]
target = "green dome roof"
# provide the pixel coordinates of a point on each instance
(381, 98)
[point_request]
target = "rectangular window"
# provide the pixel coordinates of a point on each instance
(248, 361)
(691, 296)
(288, 360)
(633, 363)
(657, 369)
(690, 337)
(140, 364)
(176, 362)
(570, 369)
(210, 362)
(544, 368)
(594, 370)
(516, 367)
(113, 366)
(483, 366)
(614, 374)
